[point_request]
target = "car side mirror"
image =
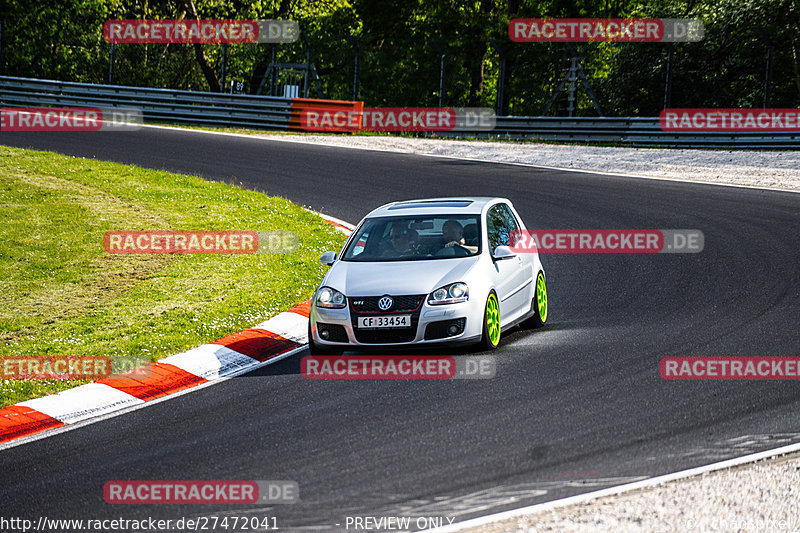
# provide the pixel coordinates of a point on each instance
(327, 258)
(503, 252)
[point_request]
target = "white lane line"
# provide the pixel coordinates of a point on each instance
(613, 491)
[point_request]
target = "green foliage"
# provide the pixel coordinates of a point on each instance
(400, 44)
(726, 69)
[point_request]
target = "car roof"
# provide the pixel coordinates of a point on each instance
(455, 205)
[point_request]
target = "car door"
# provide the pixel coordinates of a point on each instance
(512, 276)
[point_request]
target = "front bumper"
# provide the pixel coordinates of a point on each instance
(430, 325)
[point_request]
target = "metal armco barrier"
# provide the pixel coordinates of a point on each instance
(642, 131)
(219, 109)
(166, 105)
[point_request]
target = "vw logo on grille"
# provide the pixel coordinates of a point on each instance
(385, 303)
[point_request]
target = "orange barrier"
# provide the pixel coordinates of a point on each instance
(300, 104)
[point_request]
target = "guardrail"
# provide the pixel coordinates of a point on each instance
(630, 131)
(219, 109)
(164, 105)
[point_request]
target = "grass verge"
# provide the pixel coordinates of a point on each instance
(62, 294)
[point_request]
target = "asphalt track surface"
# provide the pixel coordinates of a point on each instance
(574, 407)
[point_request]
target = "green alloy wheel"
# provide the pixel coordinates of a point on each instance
(538, 305)
(541, 298)
(491, 323)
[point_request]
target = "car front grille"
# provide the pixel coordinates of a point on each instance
(386, 336)
(368, 306)
(402, 304)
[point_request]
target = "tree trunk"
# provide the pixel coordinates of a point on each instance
(202, 60)
(478, 54)
(476, 73)
(510, 55)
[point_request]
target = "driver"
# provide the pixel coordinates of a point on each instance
(400, 239)
(453, 235)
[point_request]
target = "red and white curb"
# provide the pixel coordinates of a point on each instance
(266, 343)
(341, 225)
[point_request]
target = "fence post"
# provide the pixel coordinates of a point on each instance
(273, 79)
(501, 85)
(111, 64)
(768, 80)
(501, 74)
(441, 82)
(668, 80)
(355, 70)
(308, 62)
(224, 64)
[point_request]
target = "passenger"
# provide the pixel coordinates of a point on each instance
(453, 234)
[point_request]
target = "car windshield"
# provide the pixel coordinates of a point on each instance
(405, 238)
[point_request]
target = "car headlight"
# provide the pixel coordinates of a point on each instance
(330, 298)
(449, 294)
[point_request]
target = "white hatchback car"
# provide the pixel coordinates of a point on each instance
(426, 272)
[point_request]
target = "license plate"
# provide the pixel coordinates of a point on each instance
(388, 321)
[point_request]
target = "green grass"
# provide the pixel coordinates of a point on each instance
(62, 294)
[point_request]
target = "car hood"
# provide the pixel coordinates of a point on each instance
(397, 277)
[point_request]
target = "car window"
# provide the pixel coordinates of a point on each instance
(409, 238)
(508, 215)
(358, 248)
(500, 222)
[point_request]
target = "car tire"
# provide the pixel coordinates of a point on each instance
(491, 323)
(539, 304)
(316, 349)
